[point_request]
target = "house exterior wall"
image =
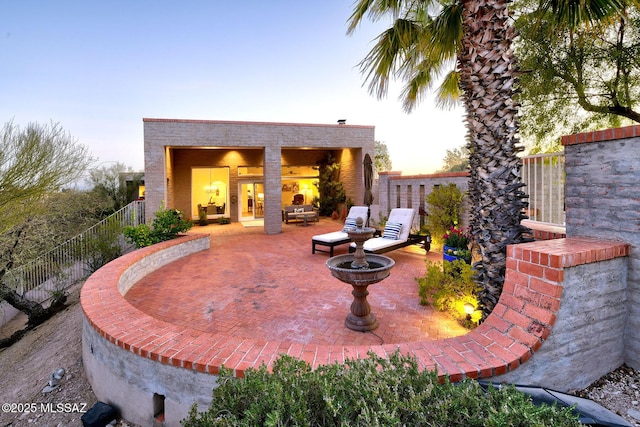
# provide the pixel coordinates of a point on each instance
(167, 165)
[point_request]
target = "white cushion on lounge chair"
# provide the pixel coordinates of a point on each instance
(403, 216)
(358, 211)
(335, 236)
(377, 243)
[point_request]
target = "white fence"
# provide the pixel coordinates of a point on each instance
(74, 260)
(544, 177)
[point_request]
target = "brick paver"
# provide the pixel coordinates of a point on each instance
(271, 288)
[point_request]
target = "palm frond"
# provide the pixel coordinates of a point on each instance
(575, 12)
(385, 58)
(448, 94)
(415, 89)
(377, 9)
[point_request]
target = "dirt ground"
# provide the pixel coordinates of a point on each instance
(26, 369)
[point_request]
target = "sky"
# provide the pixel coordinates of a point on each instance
(97, 68)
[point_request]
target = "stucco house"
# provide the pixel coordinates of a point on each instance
(247, 170)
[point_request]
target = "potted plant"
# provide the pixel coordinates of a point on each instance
(456, 245)
(202, 215)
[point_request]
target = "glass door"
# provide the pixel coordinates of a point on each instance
(251, 200)
(258, 188)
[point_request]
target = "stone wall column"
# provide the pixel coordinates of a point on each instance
(272, 190)
(155, 175)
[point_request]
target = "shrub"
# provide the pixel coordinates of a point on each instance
(140, 235)
(368, 392)
(444, 208)
(167, 224)
(202, 215)
(448, 286)
(103, 246)
(381, 222)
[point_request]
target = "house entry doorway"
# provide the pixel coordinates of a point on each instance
(251, 200)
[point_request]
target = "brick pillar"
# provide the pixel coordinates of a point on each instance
(272, 190)
(156, 179)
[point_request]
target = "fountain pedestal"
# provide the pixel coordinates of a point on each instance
(361, 318)
(360, 270)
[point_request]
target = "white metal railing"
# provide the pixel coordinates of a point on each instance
(78, 257)
(544, 177)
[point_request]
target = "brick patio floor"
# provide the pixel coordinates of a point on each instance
(270, 287)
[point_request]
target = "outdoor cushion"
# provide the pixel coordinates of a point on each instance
(349, 223)
(334, 236)
(403, 216)
(398, 216)
(391, 230)
(377, 243)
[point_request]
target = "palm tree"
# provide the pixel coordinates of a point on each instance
(476, 37)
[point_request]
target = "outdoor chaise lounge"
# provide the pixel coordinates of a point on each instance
(396, 233)
(337, 238)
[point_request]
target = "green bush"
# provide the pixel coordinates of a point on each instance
(167, 224)
(444, 209)
(101, 250)
(141, 235)
(369, 392)
(448, 286)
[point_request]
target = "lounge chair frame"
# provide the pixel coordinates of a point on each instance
(413, 239)
(330, 245)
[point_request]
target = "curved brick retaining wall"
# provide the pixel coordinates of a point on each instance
(142, 365)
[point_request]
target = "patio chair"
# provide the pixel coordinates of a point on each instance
(337, 238)
(395, 235)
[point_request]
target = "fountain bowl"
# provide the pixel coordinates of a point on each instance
(379, 269)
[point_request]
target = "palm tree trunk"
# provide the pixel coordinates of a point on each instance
(487, 77)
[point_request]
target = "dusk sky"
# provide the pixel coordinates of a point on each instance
(99, 68)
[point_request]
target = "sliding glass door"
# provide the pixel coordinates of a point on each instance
(251, 200)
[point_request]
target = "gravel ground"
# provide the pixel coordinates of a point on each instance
(618, 391)
(27, 366)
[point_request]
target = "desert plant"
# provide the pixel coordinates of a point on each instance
(103, 246)
(367, 392)
(102, 249)
(448, 287)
